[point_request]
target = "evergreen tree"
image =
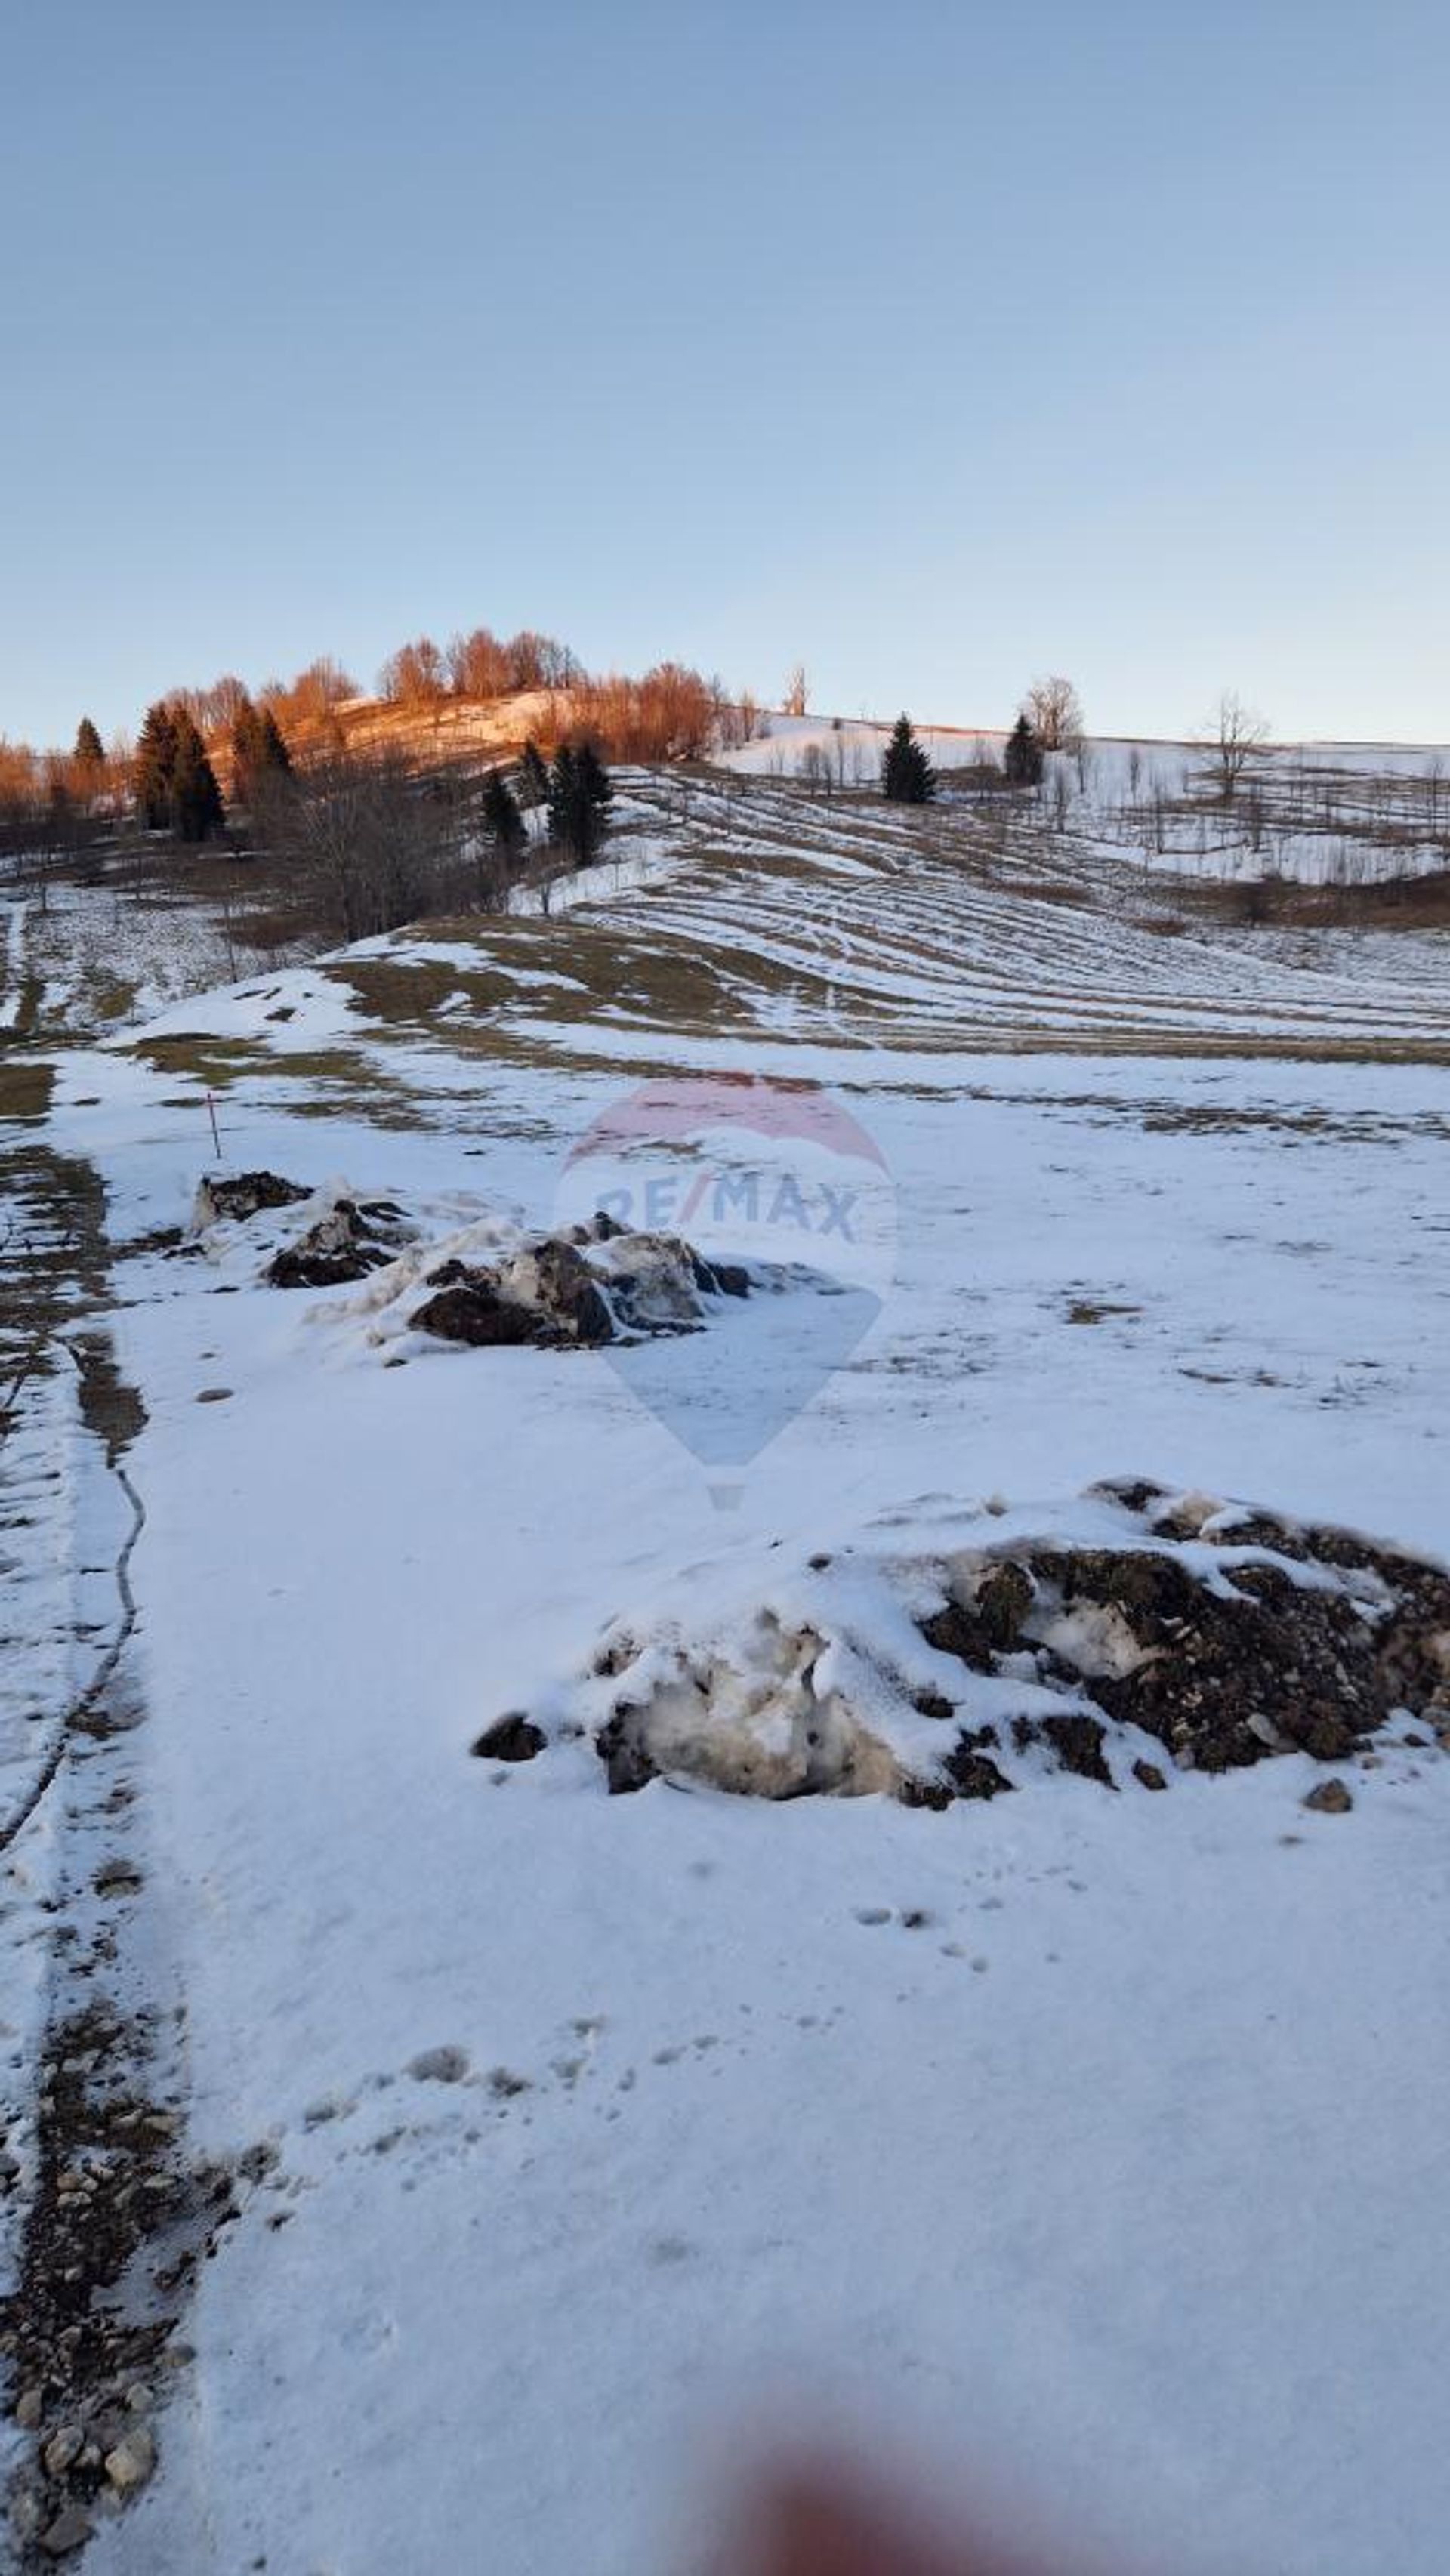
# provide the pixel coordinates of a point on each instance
(502, 819)
(155, 765)
(579, 794)
(276, 758)
(595, 785)
(1022, 759)
(196, 803)
(259, 751)
(907, 776)
(563, 798)
(90, 752)
(533, 776)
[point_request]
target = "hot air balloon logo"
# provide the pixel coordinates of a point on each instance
(778, 1179)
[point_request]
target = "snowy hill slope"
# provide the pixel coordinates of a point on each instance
(1318, 813)
(1085, 2137)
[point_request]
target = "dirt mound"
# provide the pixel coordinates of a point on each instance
(354, 1237)
(598, 1283)
(1134, 1625)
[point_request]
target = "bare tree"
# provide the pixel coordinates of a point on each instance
(1054, 711)
(1235, 734)
(797, 692)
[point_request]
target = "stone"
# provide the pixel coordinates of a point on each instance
(29, 2407)
(1331, 1798)
(1149, 1775)
(71, 2529)
(130, 2464)
(63, 2449)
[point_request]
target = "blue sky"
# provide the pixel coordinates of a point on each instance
(937, 346)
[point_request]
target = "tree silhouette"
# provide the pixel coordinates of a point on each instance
(502, 819)
(196, 803)
(1022, 759)
(579, 798)
(533, 776)
(907, 776)
(155, 766)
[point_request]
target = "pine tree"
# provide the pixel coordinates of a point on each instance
(259, 751)
(155, 765)
(276, 758)
(502, 819)
(1022, 759)
(579, 798)
(595, 784)
(563, 799)
(533, 776)
(90, 751)
(907, 776)
(196, 803)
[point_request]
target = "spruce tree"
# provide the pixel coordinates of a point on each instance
(1022, 759)
(196, 803)
(563, 799)
(155, 765)
(579, 798)
(90, 751)
(533, 776)
(596, 790)
(259, 751)
(907, 776)
(276, 758)
(502, 819)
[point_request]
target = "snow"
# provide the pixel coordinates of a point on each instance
(14, 964)
(1334, 814)
(1096, 2146)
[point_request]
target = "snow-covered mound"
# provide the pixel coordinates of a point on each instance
(1131, 1634)
(487, 1282)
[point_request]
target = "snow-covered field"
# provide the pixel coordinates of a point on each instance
(1084, 2143)
(1330, 814)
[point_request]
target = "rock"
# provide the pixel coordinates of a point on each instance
(240, 1195)
(29, 2407)
(130, 2464)
(1331, 1798)
(1150, 1775)
(63, 2448)
(510, 1739)
(71, 2529)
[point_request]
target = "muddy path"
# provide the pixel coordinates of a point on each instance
(103, 2213)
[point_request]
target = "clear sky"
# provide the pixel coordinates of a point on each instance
(935, 344)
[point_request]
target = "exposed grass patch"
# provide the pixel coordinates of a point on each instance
(25, 1087)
